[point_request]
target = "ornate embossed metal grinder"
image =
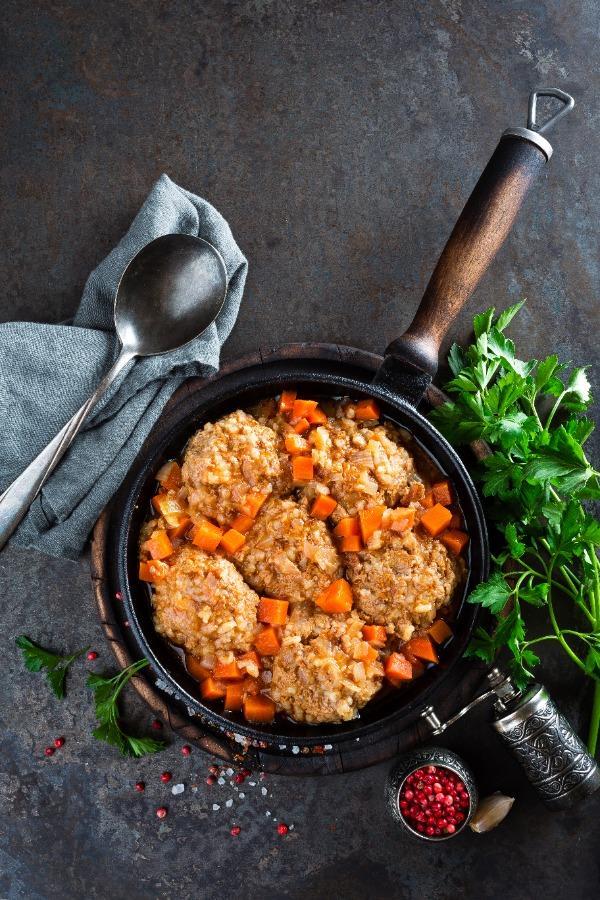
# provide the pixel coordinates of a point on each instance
(551, 755)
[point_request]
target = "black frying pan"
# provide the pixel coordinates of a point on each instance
(398, 386)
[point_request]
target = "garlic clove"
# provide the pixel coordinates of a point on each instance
(490, 812)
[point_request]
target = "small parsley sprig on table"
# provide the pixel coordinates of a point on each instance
(106, 695)
(54, 665)
(535, 480)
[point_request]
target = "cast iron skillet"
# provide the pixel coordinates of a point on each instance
(398, 386)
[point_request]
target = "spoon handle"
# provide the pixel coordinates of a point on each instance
(18, 497)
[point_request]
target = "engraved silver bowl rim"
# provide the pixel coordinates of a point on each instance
(410, 762)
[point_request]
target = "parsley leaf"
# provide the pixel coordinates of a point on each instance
(534, 481)
(106, 694)
(55, 666)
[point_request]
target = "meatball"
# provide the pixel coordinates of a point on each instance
(227, 460)
(404, 582)
(288, 554)
(204, 606)
(321, 674)
(362, 465)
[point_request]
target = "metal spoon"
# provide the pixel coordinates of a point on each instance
(169, 294)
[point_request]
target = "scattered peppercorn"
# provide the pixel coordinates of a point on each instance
(140, 786)
(211, 779)
(239, 778)
(156, 724)
(161, 812)
(186, 750)
(49, 751)
(282, 828)
(214, 770)
(92, 655)
(119, 595)
(235, 831)
(59, 742)
(165, 777)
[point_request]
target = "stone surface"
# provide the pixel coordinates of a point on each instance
(340, 139)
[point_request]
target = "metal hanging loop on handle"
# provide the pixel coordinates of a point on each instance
(534, 132)
(567, 105)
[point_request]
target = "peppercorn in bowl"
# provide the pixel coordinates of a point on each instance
(305, 559)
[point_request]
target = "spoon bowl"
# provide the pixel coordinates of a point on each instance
(169, 294)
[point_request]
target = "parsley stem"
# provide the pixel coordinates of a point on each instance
(553, 411)
(592, 743)
(560, 637)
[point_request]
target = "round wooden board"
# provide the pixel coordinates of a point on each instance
(463, 683)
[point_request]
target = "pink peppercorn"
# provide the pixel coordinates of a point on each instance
(161, 812)
(49, 751)
(432, 801)
(140, 786)
(186, 750)
(92, 655)
(165, 777)
(282, 828)
(156, 724)
(59, 742)
(235, 831)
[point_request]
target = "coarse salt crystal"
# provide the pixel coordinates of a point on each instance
(282, 746)
(241, 796)
(216, 807)
(325, 747)
(229, 771)
(229, 803)
(178, 789)
(252, 783)
(221, 780)
(291, 827)
(263, 792)
(267, 813)
(295, 749)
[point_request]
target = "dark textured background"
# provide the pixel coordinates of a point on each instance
(340, 140)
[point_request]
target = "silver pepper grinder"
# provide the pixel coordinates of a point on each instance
(551, 755)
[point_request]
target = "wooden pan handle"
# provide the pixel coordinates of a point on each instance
(478, 235)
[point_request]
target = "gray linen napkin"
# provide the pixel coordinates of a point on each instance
(48, 371)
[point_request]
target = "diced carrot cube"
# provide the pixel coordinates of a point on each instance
(258, 708)
(158, 545)
(366, 410)
(273, 612)
(180, 526)
(253, 503)
(195, 668)
(398, 669)
(323, 506)
(301, 426)
(294, 444)
(286, 402)
(347, 527)
(211, 689)
(232, 541)
(369, 654)
(169, 476)
(442, 493)
(302, 409)
(428, 500)
(440, 631)
(422, 648)
(455, 541)
(242, 523)
(302, 468)
(375, 635)
(370, 521)
(206, 535)
(337, 598)
(250, 663)
(154, 570)
(234, 697)
(351, 544)
(317, 416)
(267, 642)
(167, 505)
(228, 671)
(455, 522)
(436, 519)
(400, 520)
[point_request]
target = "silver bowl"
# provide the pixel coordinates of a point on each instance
(428, 756)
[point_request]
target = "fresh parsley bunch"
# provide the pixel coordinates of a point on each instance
(54, 665)
(536, 480)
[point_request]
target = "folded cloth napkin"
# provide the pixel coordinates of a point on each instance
(48, 371)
